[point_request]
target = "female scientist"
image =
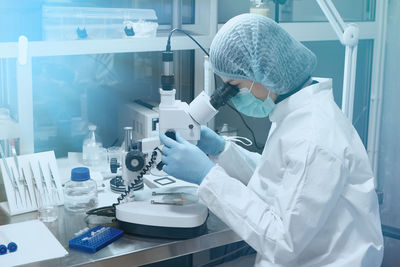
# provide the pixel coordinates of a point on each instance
(309, 198)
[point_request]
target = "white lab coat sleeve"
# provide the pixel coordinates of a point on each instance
(312, 182)
(237, 161)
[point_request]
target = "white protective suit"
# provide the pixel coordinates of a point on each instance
(309, 199)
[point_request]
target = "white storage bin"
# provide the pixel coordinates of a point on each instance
(74, 23)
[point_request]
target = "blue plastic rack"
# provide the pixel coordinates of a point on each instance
(95, 239)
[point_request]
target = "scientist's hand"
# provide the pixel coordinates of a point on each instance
(184, 160)
(210, 142)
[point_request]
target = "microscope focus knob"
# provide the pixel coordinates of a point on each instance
(114, 165)
(171, 134)
(134, 161)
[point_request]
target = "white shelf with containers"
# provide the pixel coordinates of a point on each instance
(60, 43)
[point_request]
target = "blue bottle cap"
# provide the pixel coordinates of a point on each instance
(3, 249)
(80, 174)
(12, 247)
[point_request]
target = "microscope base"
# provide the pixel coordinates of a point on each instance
(162, 232)
(164, 212)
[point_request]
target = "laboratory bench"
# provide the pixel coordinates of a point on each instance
(130, 250)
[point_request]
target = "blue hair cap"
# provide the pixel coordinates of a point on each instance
(254, 47)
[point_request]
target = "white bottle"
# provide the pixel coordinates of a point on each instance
(92, 147)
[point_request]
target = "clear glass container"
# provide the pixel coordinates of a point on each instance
(92, 148)
(80, 194)
(260, 7)
(47, 207)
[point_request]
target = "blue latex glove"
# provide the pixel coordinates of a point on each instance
(210, 142)
(184, 160)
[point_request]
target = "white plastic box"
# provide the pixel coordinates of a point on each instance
(75, 23)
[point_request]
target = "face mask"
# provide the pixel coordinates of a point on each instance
(246, 103)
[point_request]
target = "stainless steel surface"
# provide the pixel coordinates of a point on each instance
(130, 250)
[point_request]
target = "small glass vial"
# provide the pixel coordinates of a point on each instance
(47, 207)
(259, 7)
(92, 148)
(80, 194)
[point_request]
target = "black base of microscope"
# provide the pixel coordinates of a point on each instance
(163, 232)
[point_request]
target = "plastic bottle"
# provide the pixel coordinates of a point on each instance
(259, 7)
(92, 148)
(80, 194)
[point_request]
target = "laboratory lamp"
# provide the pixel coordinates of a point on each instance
(348, 35)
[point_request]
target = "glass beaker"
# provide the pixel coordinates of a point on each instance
(47, 207)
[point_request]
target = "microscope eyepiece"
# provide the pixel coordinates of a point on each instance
(223, 94)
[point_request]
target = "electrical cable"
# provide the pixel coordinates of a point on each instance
(168, 48)
(248, 127)
(109, 211)
(139, 177)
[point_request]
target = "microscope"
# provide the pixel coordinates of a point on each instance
(176, 212)
(174, 116)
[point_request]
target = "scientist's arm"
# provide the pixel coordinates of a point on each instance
(311, 185)
(237, 161)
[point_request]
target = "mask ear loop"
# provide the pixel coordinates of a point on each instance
(269, 92)
(239, 139)
(251, 86)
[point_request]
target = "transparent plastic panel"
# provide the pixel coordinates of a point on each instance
(8, 105)
(163, 8)
(309, 10)
(9, 118)
(69, 92)
(227, 9)
(8, 86)
(301, 10)
(389, 143)
(330, 65)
